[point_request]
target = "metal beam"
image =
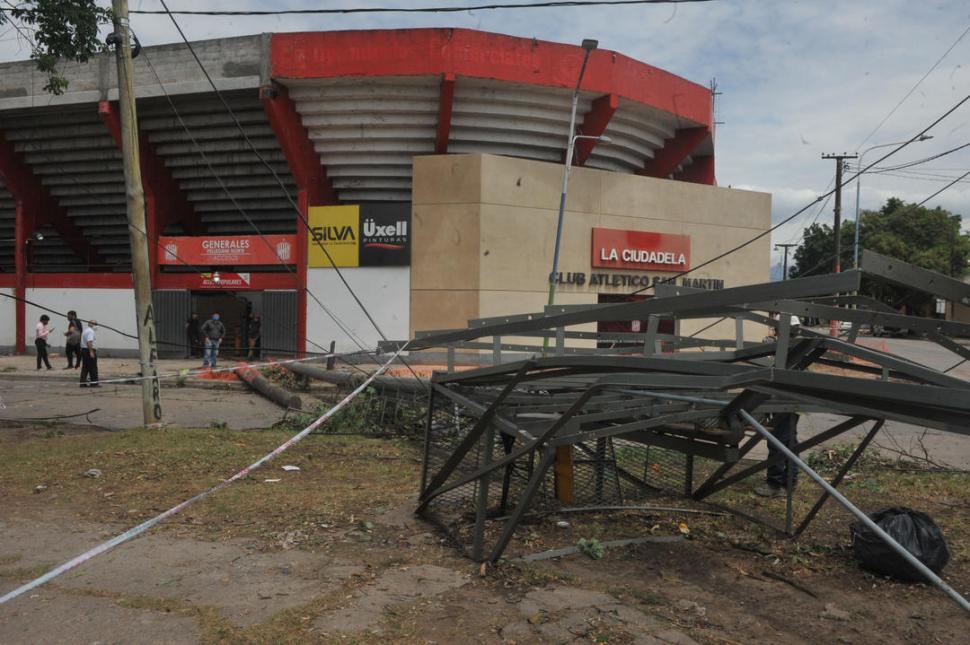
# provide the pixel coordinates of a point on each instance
(862, 517)
(594, 125)
(796, 288)
(675, 150)
(446, 101)
(864, 316)
(914, 277)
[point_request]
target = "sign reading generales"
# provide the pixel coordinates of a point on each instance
(640, 250)
(212, 250)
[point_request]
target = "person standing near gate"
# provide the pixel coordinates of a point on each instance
(193, 336)
(89, 355)
(776, 481)
(213, 330)
(72, 346)
(41, 335)
(255, 333)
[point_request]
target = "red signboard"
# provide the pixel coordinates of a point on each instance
(215, 250)
(222, 280)
(640, 250)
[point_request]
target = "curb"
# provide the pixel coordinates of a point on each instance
(166, 383)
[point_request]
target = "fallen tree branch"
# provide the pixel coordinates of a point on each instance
(790, 582)
(572, 550)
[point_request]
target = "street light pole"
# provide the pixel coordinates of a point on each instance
(858, 189)
(588, 46)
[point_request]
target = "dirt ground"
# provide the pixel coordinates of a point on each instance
(331, 553)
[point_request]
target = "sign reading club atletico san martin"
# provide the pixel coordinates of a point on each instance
(640, 250)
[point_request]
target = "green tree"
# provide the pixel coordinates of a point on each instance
(57, 30)
(927, 237)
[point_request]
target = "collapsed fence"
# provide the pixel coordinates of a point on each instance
(608, 419)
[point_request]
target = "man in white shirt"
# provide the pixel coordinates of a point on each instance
(89, 355)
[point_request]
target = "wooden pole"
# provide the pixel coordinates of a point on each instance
(137, 231)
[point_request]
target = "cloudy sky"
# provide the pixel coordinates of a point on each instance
(798, 78)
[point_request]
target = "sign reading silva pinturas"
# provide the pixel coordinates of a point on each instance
(364, 235)
(640, 250)
(222, 250)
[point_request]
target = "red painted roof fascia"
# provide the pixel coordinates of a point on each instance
(470, 53)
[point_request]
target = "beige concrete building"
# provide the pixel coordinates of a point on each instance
(484, 233)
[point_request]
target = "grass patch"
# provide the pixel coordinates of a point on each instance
(146, 472)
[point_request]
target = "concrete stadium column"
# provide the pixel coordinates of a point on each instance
(23, 230)
(313, 187)
(19, 184)
(38, 203)
(594, 125)
(674, 152)
(165, 203)
(446, 103)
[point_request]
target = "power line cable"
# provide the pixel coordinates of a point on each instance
(125, 334)
(440, 9)
(340, 324)
(919, 161)
(276, 176)
(947, 187)
(852, 178)
(279, 181)
(921, 177)
(898, 104)
(913, 89)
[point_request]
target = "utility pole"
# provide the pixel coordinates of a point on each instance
(784, 273)
(137, 231)
(837, 225)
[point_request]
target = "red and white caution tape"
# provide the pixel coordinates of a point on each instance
(144, 526)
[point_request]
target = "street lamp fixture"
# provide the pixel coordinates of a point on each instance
(36, 237)
(858, 184)
(570, 149)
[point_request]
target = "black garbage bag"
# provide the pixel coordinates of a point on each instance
(915, 531)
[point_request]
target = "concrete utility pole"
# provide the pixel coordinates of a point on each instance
(784, 271)
(837, 225)
(137, 230)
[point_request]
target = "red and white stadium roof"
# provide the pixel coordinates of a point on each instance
(338, 117)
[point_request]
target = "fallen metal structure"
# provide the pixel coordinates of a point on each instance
(584, 425)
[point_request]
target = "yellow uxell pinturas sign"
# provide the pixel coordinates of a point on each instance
(337, 229)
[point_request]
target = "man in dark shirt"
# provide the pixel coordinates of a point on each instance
(72, 347)
(213, 330)
(193, 336)
(255, 331)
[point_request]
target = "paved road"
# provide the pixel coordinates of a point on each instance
(945, 448)
(119, 406)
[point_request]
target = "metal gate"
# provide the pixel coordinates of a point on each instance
(172, 310)
(279, 322)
